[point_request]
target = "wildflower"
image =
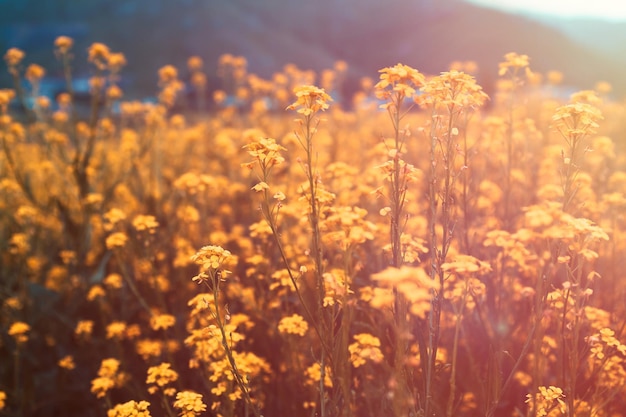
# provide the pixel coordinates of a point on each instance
(113, 281)
(116, 240)
(114, 93)
(211, 259)
(464, 264)
(142, 223)
(398, 82)
(3, 397)
(453, 90)
(116, 61)
(67, 362)
(513, 62)
(266, 152)
(366, 347)
(19, 331)
(294, 324)
(413, 282)
(18, 244)
(195, 63)
(547, 399)
(84, 328)
(313, 374)
(310, 100)
(167, 75)
(576, 119)
(34, 73)
(162, 321)
(189, 403)
(98, 53)
(63, 44)
(148, 348)
(159, 377)
(6, 95)
(108, 378)
(116, 330)
(13, 57)
(219, 96)
(130, 408)
(95, 292)
(261, 187)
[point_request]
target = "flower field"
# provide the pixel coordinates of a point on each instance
(273, 248)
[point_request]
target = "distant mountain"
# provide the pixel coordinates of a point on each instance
(368, 34)
(604, 36)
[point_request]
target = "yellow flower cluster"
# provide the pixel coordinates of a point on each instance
(109, 377)
(211, 259)
(19, 331)
(310, 100)
(189, 403)
(412, 282)
(159, 377)
(130, 409)
(145, 223)
(397, 83)
(294, 324)
(548, 399)
(365, 348)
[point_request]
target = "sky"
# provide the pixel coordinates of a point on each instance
(613, 10)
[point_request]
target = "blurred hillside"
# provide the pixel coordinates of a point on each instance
(368, 34)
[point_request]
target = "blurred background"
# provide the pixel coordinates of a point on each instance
(367, 34)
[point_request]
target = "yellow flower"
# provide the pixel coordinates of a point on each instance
(160, 376)
(84, 328)
(98, 53)
(313, 375)
(95, 292)
(464, 264)
(547, 399)
(576, 119)
(397, 83)
(195, 63)
(13, 57)
(34, 73)
(413, 282)
(116, 61)
(109, 376)
(148, 348)
(211, 259)
(310, 100)
(294, 324)
(512, 63)
(116, 330)
(189, 403)
(116, 240)
(113, 281)
(67, 362)
(366, 347)
(266, 152)
(19, 331)
(453, 90)
(63, 44)
(3, 397)
(18, 244)
(112, 217)
(261, 186)
(168, 74)
(162, 321)
(130, 409)
(143, 223)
